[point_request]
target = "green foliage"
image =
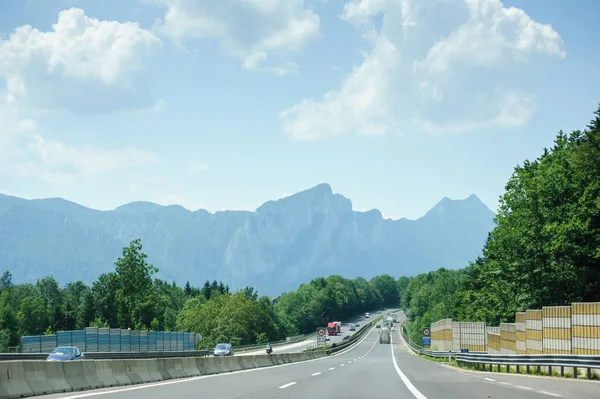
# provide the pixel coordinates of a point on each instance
(5, 337)
(545, 248)
(429, 297)
(543, 251)
(325, 299)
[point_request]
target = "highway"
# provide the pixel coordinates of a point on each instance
(368, 370)
(303, 345)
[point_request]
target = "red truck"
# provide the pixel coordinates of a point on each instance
(334, 328)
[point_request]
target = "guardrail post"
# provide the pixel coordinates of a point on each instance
(575, 372)
(589, 373)
(562, 371)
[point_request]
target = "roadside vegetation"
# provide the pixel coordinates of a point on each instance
(543, 251)
(131, 297)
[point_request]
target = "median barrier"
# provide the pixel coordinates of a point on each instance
(45, 377)
(105, 373)
(173, 367)
(189, 367)
(154, 372)
(120, 372)
(33, 377)
(76, 378)
(12, 380)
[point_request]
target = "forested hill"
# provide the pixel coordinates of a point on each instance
(277, 247)
(130, 296)
(544, 250)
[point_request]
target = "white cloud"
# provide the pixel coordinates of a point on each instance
(26, 153)
(196, 167)
(435, 66)
(82, 64)
(262, 33)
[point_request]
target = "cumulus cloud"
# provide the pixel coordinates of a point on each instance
(26, 153)
(262, 33)
(434, 66)
(82, 64)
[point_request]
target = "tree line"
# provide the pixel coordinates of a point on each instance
(543, 251)
(131, 297)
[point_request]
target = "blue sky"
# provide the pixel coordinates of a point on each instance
(225, 105)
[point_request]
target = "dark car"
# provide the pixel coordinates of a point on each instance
(223, 350)
(64, 353)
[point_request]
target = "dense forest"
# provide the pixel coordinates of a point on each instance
(543, 251)
(129, 297)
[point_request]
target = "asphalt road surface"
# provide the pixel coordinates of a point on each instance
(301, 346)
(368, 370)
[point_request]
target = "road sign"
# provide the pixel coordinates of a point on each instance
(426, 340)
(321, 332)
(426, 332)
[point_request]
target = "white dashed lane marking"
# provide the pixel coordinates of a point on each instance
(287, 385)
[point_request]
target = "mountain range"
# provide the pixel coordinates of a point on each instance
(276, 248)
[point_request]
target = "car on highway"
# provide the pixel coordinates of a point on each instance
(223, 350)
(65, 353)
(356, 325)
(378, 326)
(352, 328)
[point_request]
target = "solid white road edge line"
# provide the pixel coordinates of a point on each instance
(191, 379)
(416, 393)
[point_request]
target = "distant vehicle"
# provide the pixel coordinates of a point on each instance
(384, 337)
(334, 328)
(357, 325)
(378, 326)
(367, 315)
(223, 350)
(352, 328)
(63, 353)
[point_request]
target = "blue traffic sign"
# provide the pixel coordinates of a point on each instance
(426, 340)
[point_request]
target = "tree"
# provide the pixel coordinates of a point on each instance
(206, 290)
(134, 281)
(188, 289)
(388, 288)
(5, 281)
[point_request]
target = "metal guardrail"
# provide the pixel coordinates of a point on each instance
(108, 355)
(481, 359)
(251, 348)
(576, 362)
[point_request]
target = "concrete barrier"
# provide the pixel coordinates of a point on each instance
(35, 377)
(45, 377)
(76, 378)
(12, 380)
(105, 374)
(189, 367)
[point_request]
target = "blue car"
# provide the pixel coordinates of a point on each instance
(63, 353)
